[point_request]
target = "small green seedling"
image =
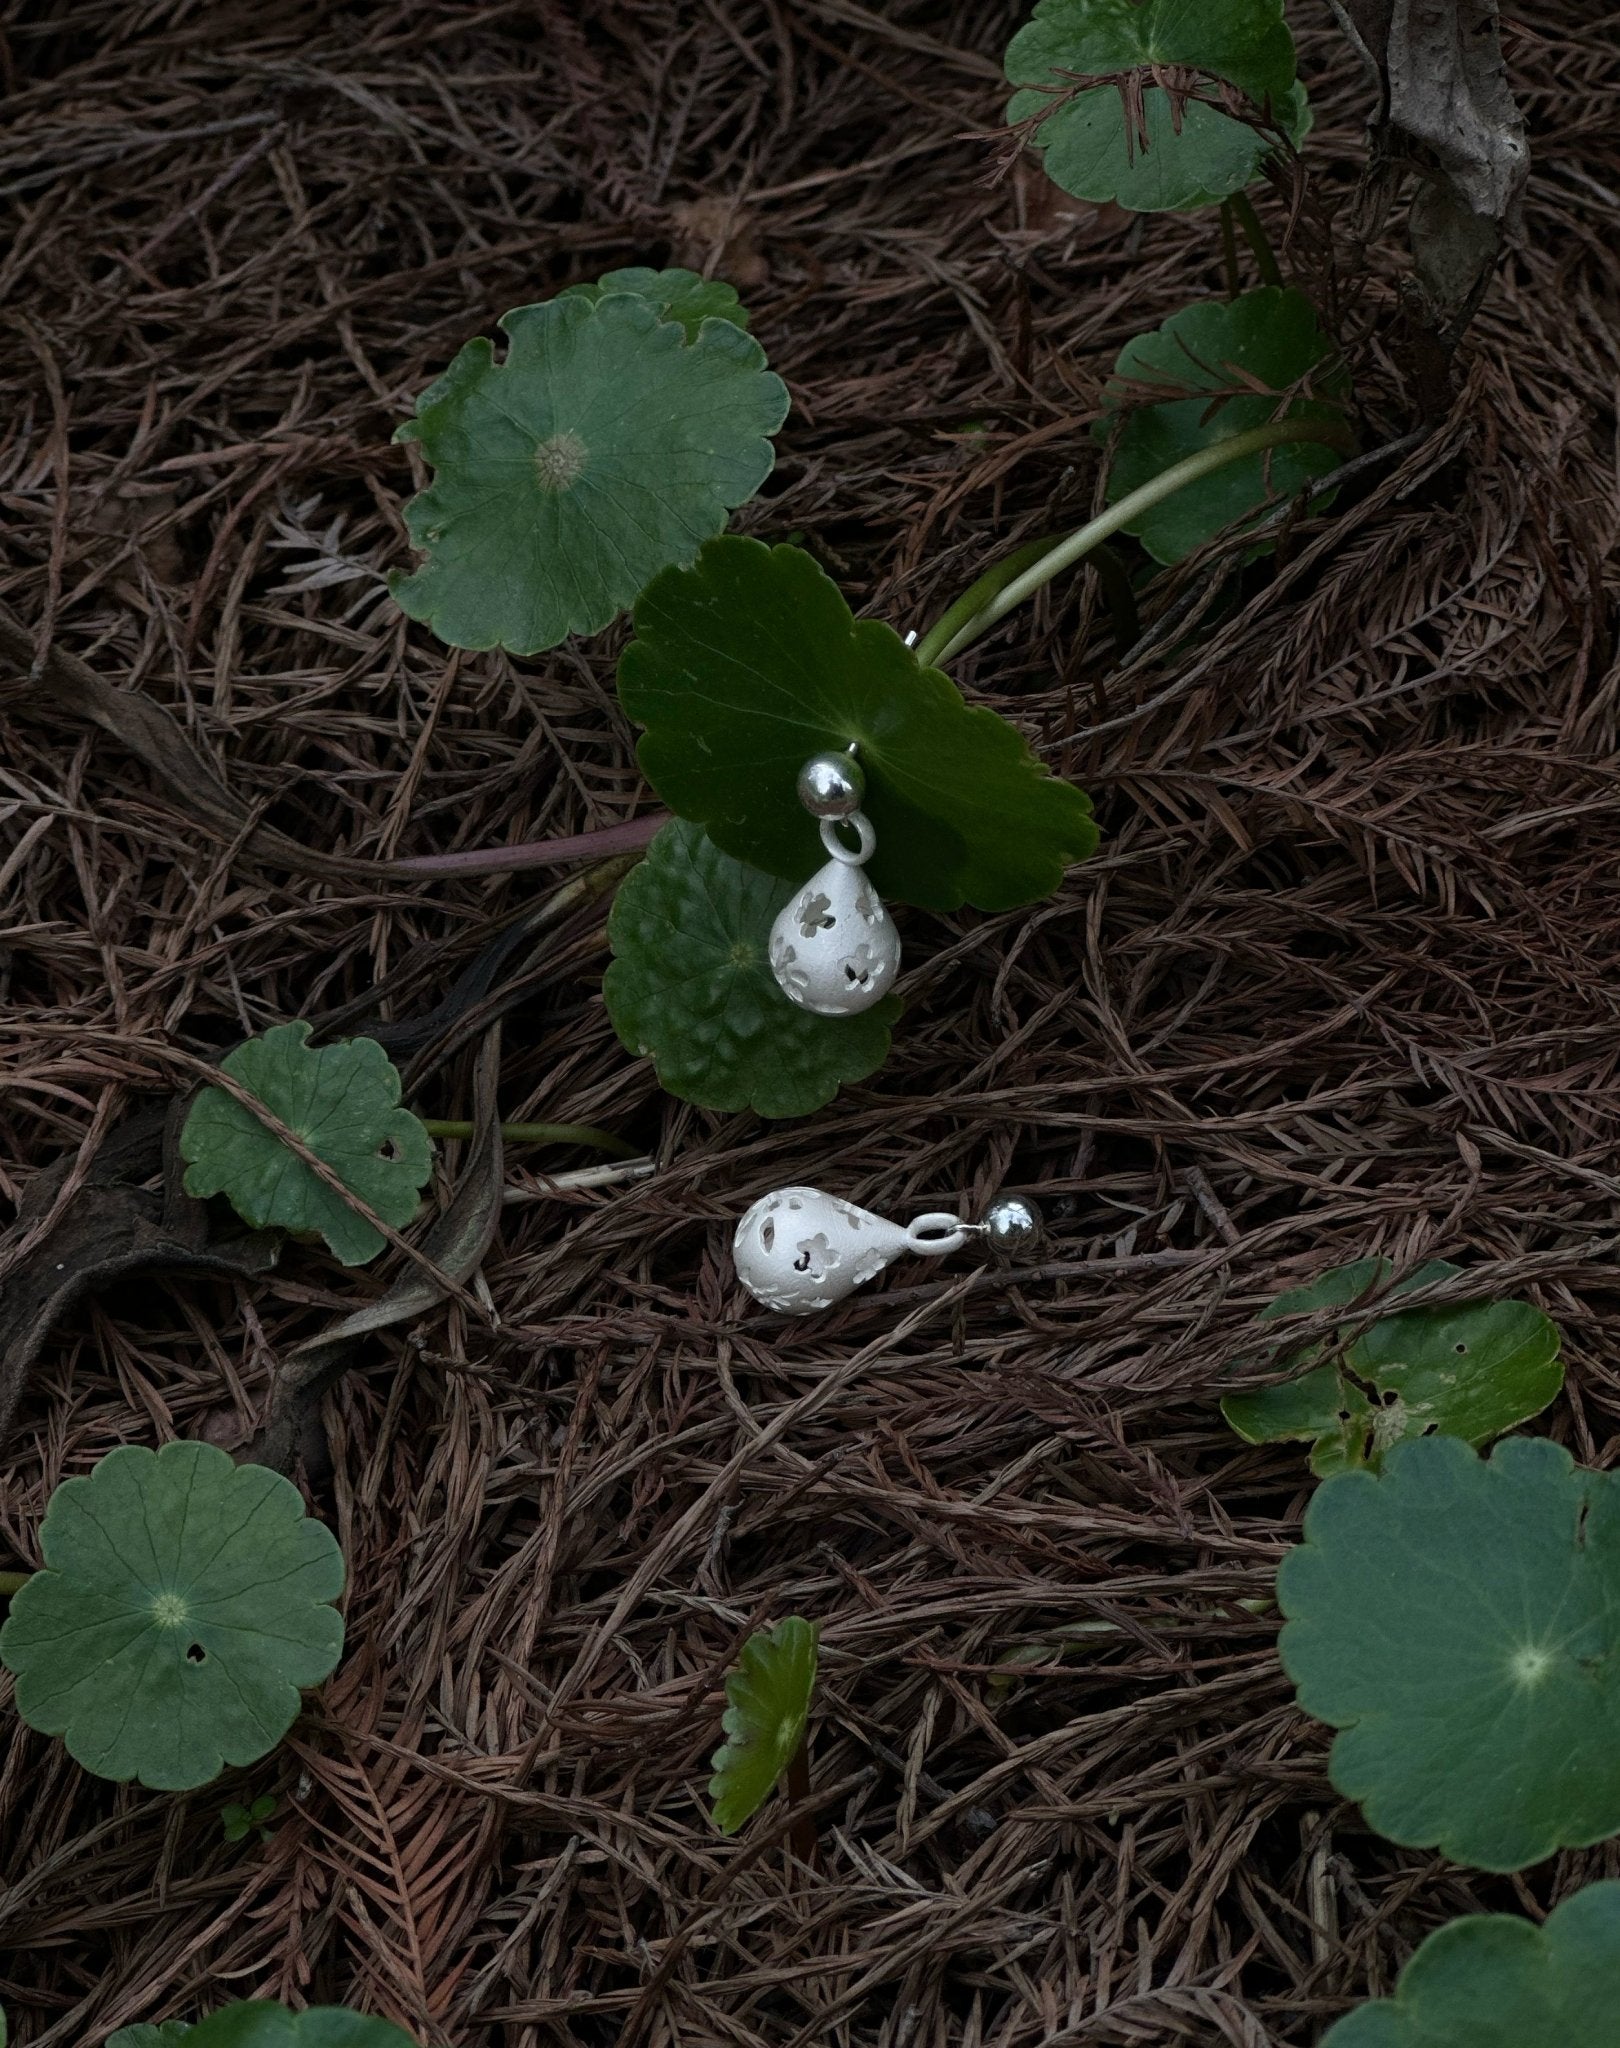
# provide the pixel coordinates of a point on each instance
(343, 1102)
(185, 1601)
(1458, 1621)
(238, 1822)
(708, 1010)
(767, 1705)
(1475, 1370)
(1496, 1981)
(1062, 1643)
(257, 2023)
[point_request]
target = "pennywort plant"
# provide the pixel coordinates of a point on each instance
(745, 661)
(1174, 105)
(184, 1605)
(560, 498)
(1157, 105)
(259, 2023)
(1473, 1370)
(1492, 1980)
(341, 1104)
(627, 419)
(593, 468)
(1455, 1618)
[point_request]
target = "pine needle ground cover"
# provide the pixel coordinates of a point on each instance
(1338, 984)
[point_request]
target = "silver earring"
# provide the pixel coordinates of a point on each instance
(798, 1249)
(834, 947)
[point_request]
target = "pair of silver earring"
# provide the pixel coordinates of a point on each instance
(835, 951)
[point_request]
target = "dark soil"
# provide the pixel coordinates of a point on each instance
(1342, 980)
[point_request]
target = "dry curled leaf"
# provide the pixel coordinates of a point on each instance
(1443, 90)
(112, 1227)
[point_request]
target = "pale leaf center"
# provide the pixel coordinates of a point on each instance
(559, 462)
(1530, 1664)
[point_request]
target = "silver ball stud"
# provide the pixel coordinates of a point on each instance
(1011, 1225)
(832, 785)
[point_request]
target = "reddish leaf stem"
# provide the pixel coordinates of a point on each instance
(536, 853)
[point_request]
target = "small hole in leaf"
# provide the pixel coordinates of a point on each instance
(196, 1654)
(389, 1149)
(1461, 1350)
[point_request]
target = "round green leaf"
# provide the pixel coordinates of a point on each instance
(258, 2024)
(605, 448)
(1320, 1408)
(1474, 1371)
(767, 1704)
(185, 1601)
(749, 663)
(691, 986)
(343, 1101)
(1190, 158)
(1459, 1621)
(1267, 338)
(675, 295)
(1496, 1981)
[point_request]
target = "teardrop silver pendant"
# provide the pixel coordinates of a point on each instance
(799, 1250)
(834, 947)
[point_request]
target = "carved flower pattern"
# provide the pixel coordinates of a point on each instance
(860, 965)
(816, 1256)
(815, 915)
(791, 978)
